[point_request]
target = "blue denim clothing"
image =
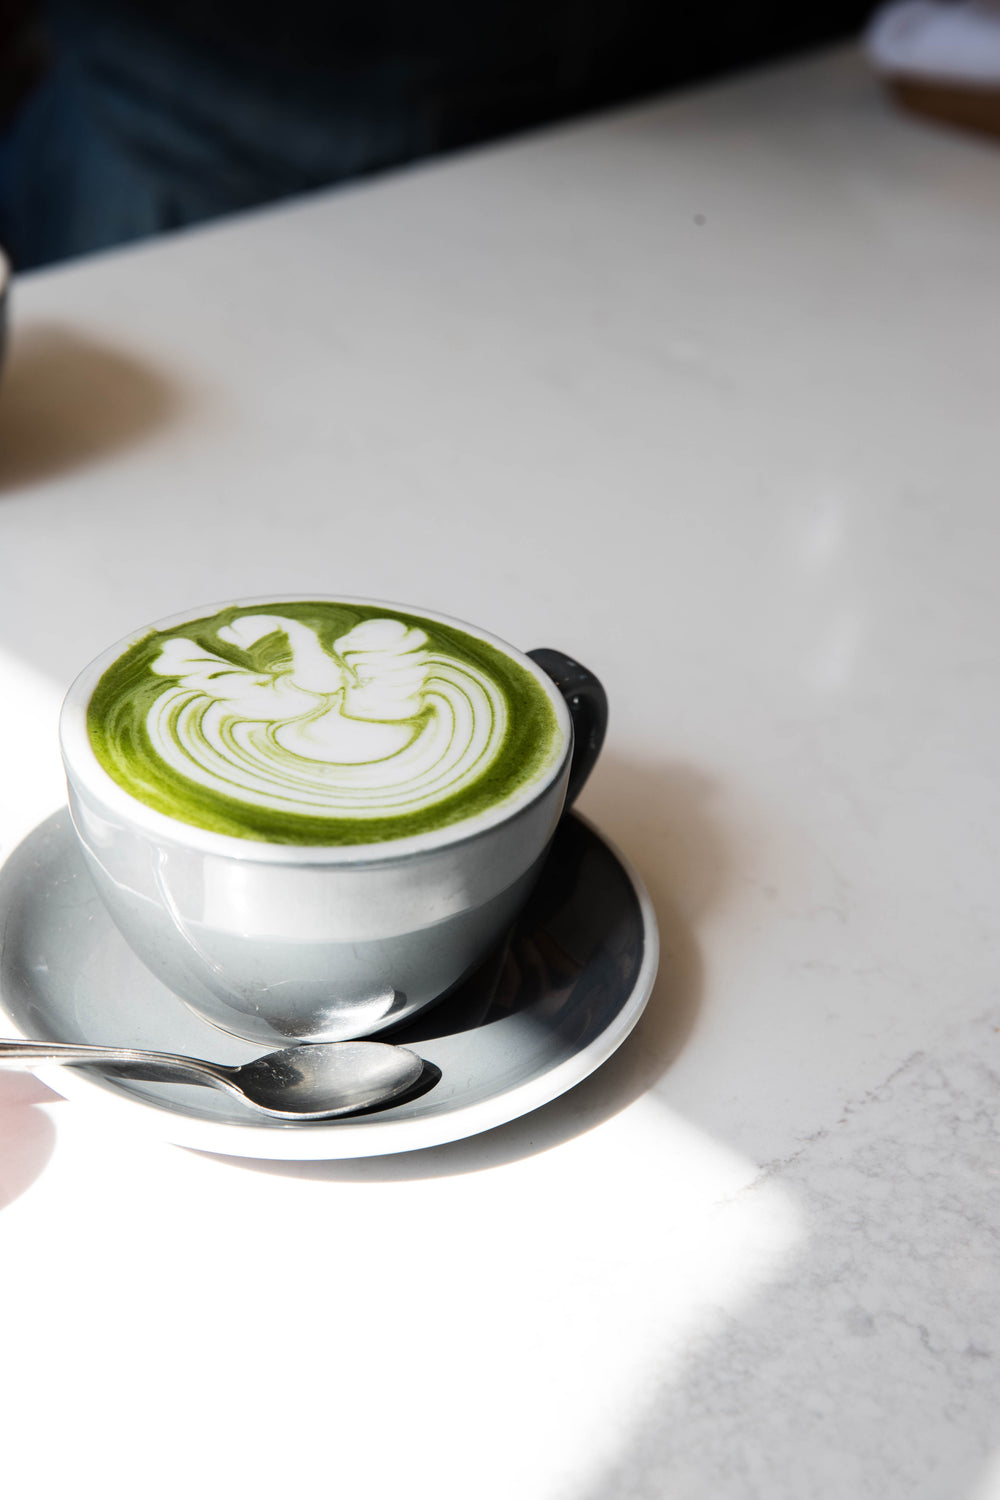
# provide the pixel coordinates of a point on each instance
(130, 134)
(160, 113)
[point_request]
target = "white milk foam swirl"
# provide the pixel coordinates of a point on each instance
(381, 727)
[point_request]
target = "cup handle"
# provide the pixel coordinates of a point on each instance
(588, 708)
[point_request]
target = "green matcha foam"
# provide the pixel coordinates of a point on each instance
(311, 722)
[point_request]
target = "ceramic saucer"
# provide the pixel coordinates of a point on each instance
(532, 1022)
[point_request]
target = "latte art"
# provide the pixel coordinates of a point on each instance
(382, 725)
(321, 723)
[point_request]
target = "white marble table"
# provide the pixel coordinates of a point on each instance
(705, 392)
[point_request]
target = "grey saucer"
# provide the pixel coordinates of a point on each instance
(533, 1021)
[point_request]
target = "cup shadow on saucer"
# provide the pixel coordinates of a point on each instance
(683, 868)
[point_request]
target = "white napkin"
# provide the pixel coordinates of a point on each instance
(926, 39)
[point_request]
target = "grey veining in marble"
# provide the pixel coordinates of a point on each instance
(869, 1367)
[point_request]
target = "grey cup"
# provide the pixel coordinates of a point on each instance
(280, 943)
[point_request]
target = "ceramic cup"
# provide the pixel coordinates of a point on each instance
(279, 942)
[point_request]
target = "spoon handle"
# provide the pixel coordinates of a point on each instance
(131, 1062)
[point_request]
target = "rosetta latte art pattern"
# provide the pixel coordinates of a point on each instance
(322, 722)
(380, 725)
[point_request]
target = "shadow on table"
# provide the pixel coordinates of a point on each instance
(67, 400)
(27, 1135)
(660, 817)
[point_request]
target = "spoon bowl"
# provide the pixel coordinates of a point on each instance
(317, 1081)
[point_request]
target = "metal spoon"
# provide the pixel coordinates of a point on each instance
(311, 1082)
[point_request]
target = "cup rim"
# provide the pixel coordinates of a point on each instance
(88, 777)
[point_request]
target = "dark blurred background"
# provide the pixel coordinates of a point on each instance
(120, 120)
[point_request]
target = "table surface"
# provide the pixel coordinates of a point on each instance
(705, 393)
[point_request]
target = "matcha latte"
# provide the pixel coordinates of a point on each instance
(314, 722)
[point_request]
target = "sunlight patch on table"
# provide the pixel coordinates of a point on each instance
(33, 778)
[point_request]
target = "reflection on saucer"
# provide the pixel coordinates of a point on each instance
(537, 1017)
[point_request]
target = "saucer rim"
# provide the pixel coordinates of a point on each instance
(343, 1140)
